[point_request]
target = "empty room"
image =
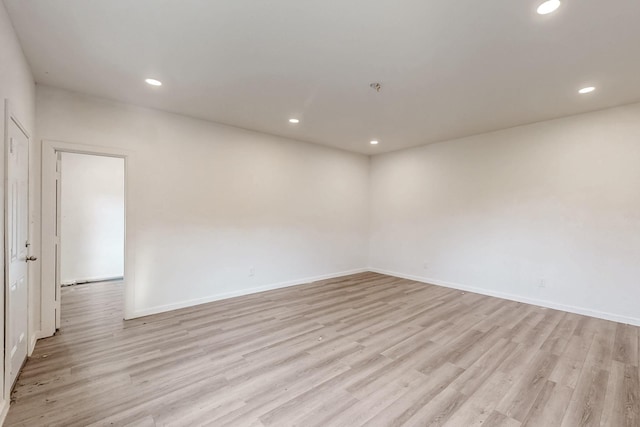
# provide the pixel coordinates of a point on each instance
(289, 213)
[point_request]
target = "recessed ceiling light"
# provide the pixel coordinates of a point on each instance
(374, 142)
(548, 7)
(294, 121)
(586, 90)
(153, 82)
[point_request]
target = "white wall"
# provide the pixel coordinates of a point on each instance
(557, 201)
(16, 84)
(213, 201)
(92, 218)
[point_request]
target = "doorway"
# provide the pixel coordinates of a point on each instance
(86, 218)
(91, 226)
(91, 216)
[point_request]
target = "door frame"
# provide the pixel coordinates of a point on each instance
(10, 116)
(49, 287)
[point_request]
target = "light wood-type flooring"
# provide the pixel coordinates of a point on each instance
(366, 349)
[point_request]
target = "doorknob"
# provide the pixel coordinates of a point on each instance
(31, 258)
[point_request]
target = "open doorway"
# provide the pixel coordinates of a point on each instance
(91, 216)
(58, 160)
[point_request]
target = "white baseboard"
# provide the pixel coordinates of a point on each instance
(533, 301)
(90, 280)
(4, 403)
(217, 297)
(4, 410)
(32, 342)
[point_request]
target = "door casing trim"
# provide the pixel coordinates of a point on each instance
(50, 149)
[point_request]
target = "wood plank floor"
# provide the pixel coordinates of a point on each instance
(365, 349)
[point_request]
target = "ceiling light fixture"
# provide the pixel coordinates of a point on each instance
(586, 90)
(153, 82)
(294, 121)
(374, 142)
(548, 7)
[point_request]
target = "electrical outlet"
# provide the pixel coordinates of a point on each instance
(252, 271)
(542, 283)
(425, 265)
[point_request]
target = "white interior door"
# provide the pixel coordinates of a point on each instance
(17, 226)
